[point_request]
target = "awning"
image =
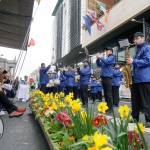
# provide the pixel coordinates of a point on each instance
(15, 17)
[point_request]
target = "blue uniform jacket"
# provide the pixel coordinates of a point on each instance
(70, 80)
(99, 86)
(55, 76)
(106, 65)
(93, 86)
(44, 75)
(85, 75)
(62, 80)
(117, 77)
(141, 63)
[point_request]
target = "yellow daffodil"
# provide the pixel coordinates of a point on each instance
(85, 138)
(102, 107)
(72, 125)
(62, 105)
(92, 148)
(67, 99)
(75, 106)
(62, 94)
(54, 106)
(99, 139)
(141, 126)
(124, 111)
(71, 94)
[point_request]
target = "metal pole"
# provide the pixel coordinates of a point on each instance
(144, 27)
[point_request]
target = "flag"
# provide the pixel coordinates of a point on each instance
(87, 23)
(93, 17)
(38, 1)
(103, 8)
(31, 43)
(99, 25)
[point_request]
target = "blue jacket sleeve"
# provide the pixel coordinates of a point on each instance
(44, 70)
(68, 73)
(93, 84)
(108, 61)
(99, 62)
(85, 71)
(117, 73)
(145, 61)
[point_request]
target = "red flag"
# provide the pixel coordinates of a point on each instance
(31, 43)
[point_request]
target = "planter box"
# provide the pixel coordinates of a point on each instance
(49, 141)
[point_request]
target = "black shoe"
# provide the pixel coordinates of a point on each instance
(147, 125)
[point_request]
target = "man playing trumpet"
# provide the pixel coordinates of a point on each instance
(106, 65)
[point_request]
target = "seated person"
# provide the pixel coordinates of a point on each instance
(12, 110)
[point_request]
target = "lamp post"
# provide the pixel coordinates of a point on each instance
(143, 22)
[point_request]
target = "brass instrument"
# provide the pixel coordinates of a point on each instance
(126, 69)
(77, 78)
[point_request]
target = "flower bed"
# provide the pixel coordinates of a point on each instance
(68, 126)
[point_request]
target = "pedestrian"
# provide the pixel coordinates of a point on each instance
(117, 78)
(106, 64)
(12, 110)
(99, 89)
(62, 80)
(70, 78)
(140, 88)
(93, 86)
(44, 77)
(85, 74)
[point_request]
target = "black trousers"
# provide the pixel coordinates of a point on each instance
(48, 90)
(93, 96)
(115, 95)
(75, 91)
(7, 103)
(140, 100)
(84, 94)
(69, 89)
(43, 88)
(99, 95)
(107, 87)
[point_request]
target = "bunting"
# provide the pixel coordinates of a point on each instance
(31, 43)
(93, 17)
(103, 8)
(87, 23)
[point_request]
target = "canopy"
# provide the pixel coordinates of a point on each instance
(15, 17)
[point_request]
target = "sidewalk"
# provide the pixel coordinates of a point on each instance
(22, 133)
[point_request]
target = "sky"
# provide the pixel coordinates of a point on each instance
(41, 32)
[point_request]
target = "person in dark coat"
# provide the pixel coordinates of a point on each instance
(99, 89)
(62, 80)
(140, 88)
(106, 65)
(85, 75)
(44, 77)
(93, 86)
(70, 79)
(117, 78)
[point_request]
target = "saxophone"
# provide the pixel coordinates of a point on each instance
(126, 69)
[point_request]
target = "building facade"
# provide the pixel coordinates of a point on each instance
(8, 65)
(66, 29)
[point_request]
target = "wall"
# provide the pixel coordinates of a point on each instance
(121, 13)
